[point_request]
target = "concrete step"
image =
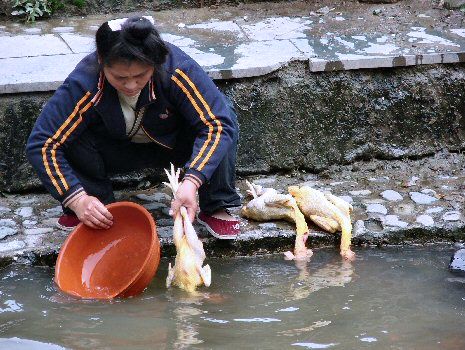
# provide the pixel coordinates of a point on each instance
(249, 41)
(414, 202)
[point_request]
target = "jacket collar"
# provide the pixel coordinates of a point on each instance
(106, 103)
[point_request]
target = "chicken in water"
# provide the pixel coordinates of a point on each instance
(329, 212)
(267, 204)
(187, 272)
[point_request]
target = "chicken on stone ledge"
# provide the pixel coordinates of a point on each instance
(267, 204)
(187, 272)
(329, 212)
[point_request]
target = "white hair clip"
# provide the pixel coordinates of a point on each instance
(115, 24)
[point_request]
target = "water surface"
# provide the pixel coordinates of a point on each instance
(393, 298)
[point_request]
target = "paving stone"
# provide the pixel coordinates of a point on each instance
(359, 228)
(421, 198)
(4, 210)
(33, 240)
(273, 55)
(412, 181)
(38, 230)
(27, 223)
(452, 216)
(79, 43)
(14, 245)
(376, 208)
(63, 29)
(32, 45)
(8, 223)
(457, 263)
(221, 26)
(348, 199)
(156, 197)
(391, 195)
(382, 179)
(404, 209)
(21, 74)
(307, 49)
(434, 210)
(49, 222)
(267, 225)
(7, 231)
(428, 191)
(55, 211)
(165, 222)
(393, 220)
(154, 206)
(265, 181)
(25, 212)
(165, 232)
(360, 193)
(425, 220)
(205, 59)
(27, 200)
(277, 28)
(454, 4)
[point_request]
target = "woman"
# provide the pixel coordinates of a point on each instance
(137, 102)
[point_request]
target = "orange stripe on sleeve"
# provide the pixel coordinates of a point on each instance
(202, 117)
(212, 116)
(53, 139)
(63, 139)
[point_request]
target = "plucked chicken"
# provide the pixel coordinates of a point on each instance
(327, 211)
(267, 204)
(187, 272)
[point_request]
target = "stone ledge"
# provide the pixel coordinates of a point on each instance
(236, 46)
(392, 205)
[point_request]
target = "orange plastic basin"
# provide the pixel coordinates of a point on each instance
(118, 262)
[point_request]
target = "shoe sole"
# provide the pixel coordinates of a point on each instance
(213, 233)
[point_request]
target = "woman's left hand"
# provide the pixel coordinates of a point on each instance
(186, 196)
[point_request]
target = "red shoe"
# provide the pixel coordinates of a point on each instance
(67, 222)
(222, 229)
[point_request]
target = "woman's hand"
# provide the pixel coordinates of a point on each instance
(186, 197)
(92, 212)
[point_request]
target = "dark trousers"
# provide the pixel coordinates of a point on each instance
(94, 158)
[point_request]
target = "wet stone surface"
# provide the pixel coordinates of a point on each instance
(27, 221)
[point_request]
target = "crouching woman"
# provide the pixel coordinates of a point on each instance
(137, 102)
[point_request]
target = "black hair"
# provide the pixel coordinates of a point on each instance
(138, 40)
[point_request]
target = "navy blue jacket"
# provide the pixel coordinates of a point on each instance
(182, 93)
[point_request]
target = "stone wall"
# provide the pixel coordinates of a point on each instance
(294, 119)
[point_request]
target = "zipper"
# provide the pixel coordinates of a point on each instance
(151, 138)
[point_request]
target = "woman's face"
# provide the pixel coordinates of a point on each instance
(128, 78)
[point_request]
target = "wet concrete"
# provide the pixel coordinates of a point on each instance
(399, 202)
(250, 40)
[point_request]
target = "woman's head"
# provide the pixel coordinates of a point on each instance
(129, 51)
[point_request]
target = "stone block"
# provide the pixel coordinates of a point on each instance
(454, 4)
(32, 45)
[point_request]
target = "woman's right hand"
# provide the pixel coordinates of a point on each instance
(92, 212)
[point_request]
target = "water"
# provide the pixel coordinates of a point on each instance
(394, 298)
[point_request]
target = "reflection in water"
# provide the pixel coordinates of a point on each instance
(186, 329)
(91, 262)
(26, 344)
(314, 302)
(335, 274)
(299, 331)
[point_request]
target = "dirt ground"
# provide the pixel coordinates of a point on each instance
(376, 17)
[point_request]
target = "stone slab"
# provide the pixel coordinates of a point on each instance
(406, 226)
(232, 47)
(79, 43)
(42, 73)
(28, 46)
